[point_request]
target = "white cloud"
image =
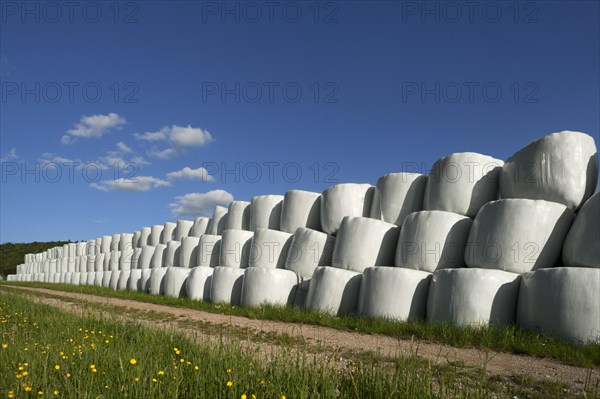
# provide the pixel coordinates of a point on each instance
(177, 138)
(136, 184)
(93, 126)
(199, 204)
(49, 157)
(123, 147)
(189, 173)
(10, 156)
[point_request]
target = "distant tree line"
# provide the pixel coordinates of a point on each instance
(12, 255)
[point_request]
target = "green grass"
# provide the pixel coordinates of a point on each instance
(505, 339)
(94, 358)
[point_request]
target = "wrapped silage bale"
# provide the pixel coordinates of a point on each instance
(172, 253)
(98, 279)
(300, 209)
(155, 233)
(145, 259)
(341, 200)
(238, 216)
(234, 249)
(265, 212)
(269, 248)
(125, 259)
(99, 262)
(394, 293)
(135, 259)
(114, 242)
(462, 183)
(334, 290)
(518, 235)
(362, 242)
(182, 229)
(123, 280)
(144, 283)
(218, 222)
(188, 252)
(209, 248)
(159, 256)
(396, 195)
(581, 246)
(90, 249)
(200, 226)
(226, 285)
(91, 278)
(136, 238)
(126, 241)
(268, 286)
(115, 257)
(135, 279)
(469, 296)
(107, 262)
(156, 284)
(432, 240)
(198, 283)
(80, 248)
(114, 279)
(562, 302)
(174, 282)
(106, 277)
(168, 232)
(144, 236)
(560, 167)
(90, 263)
(70, 278)
(105, 244)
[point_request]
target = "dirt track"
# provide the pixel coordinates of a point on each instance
(338, 342)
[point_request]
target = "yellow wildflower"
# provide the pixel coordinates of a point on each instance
(132, 361)
(4, 346)
(229, 383)
(55, 392)
(57, 367)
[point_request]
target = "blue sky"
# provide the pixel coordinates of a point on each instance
(282, 95)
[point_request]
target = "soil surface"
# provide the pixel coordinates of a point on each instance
(330, 342)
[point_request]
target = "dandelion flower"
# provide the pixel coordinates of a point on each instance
(229, 370)
(27, 388)
(196, 368)
(40, 393)
(229, 383)
(136, 379)
(282, 396)
(243, 396)
(177, 351)
(25, 373)
(57, 367)
(55, 392)
(161, 372)
(11, 394)
(154, 380)
(4, 346)
(132, 361)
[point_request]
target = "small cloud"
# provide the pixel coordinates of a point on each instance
(136, 184)
(48, 157)
(94, 126)
(123, 147)
(177, 139)
(189, 173)
(98, 221)
(199, 204)
(10, 155)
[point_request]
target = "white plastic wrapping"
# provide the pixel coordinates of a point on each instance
(265, 212)
(560, 167)
(300, 209)
(238, 216)
(136, 238)
(341, 200)
(581, 247)
(198, 283)
(123, 279)
(183, 229)
(144, 236)
(235, 248)
(134, 282)
(126, 241)
(98, 279)
(226, 285)
(269, 248)
(104, 245)
(106, 277)
(432, 240)
(462, 183)
(209, 250)
(362, 242)
(518, 235)
(145, 259)
(159, 256)
(125, 260)
(309, 249)
(90, 278)
(107, 262)
(168, 232)
(396, 195)
(218, 222)
(156, 283)
(172, 253)
(200, 226)
(188, 252)
(473, 296)
(114, 279)
(114, 242)
(155, 233)
(268, 286)
(115, 257)
(144, 283)
(394, 293)
(334, 290)
(175, 282)
(562, 302)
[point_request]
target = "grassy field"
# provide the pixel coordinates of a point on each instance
(507, 339)
(46, 352)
